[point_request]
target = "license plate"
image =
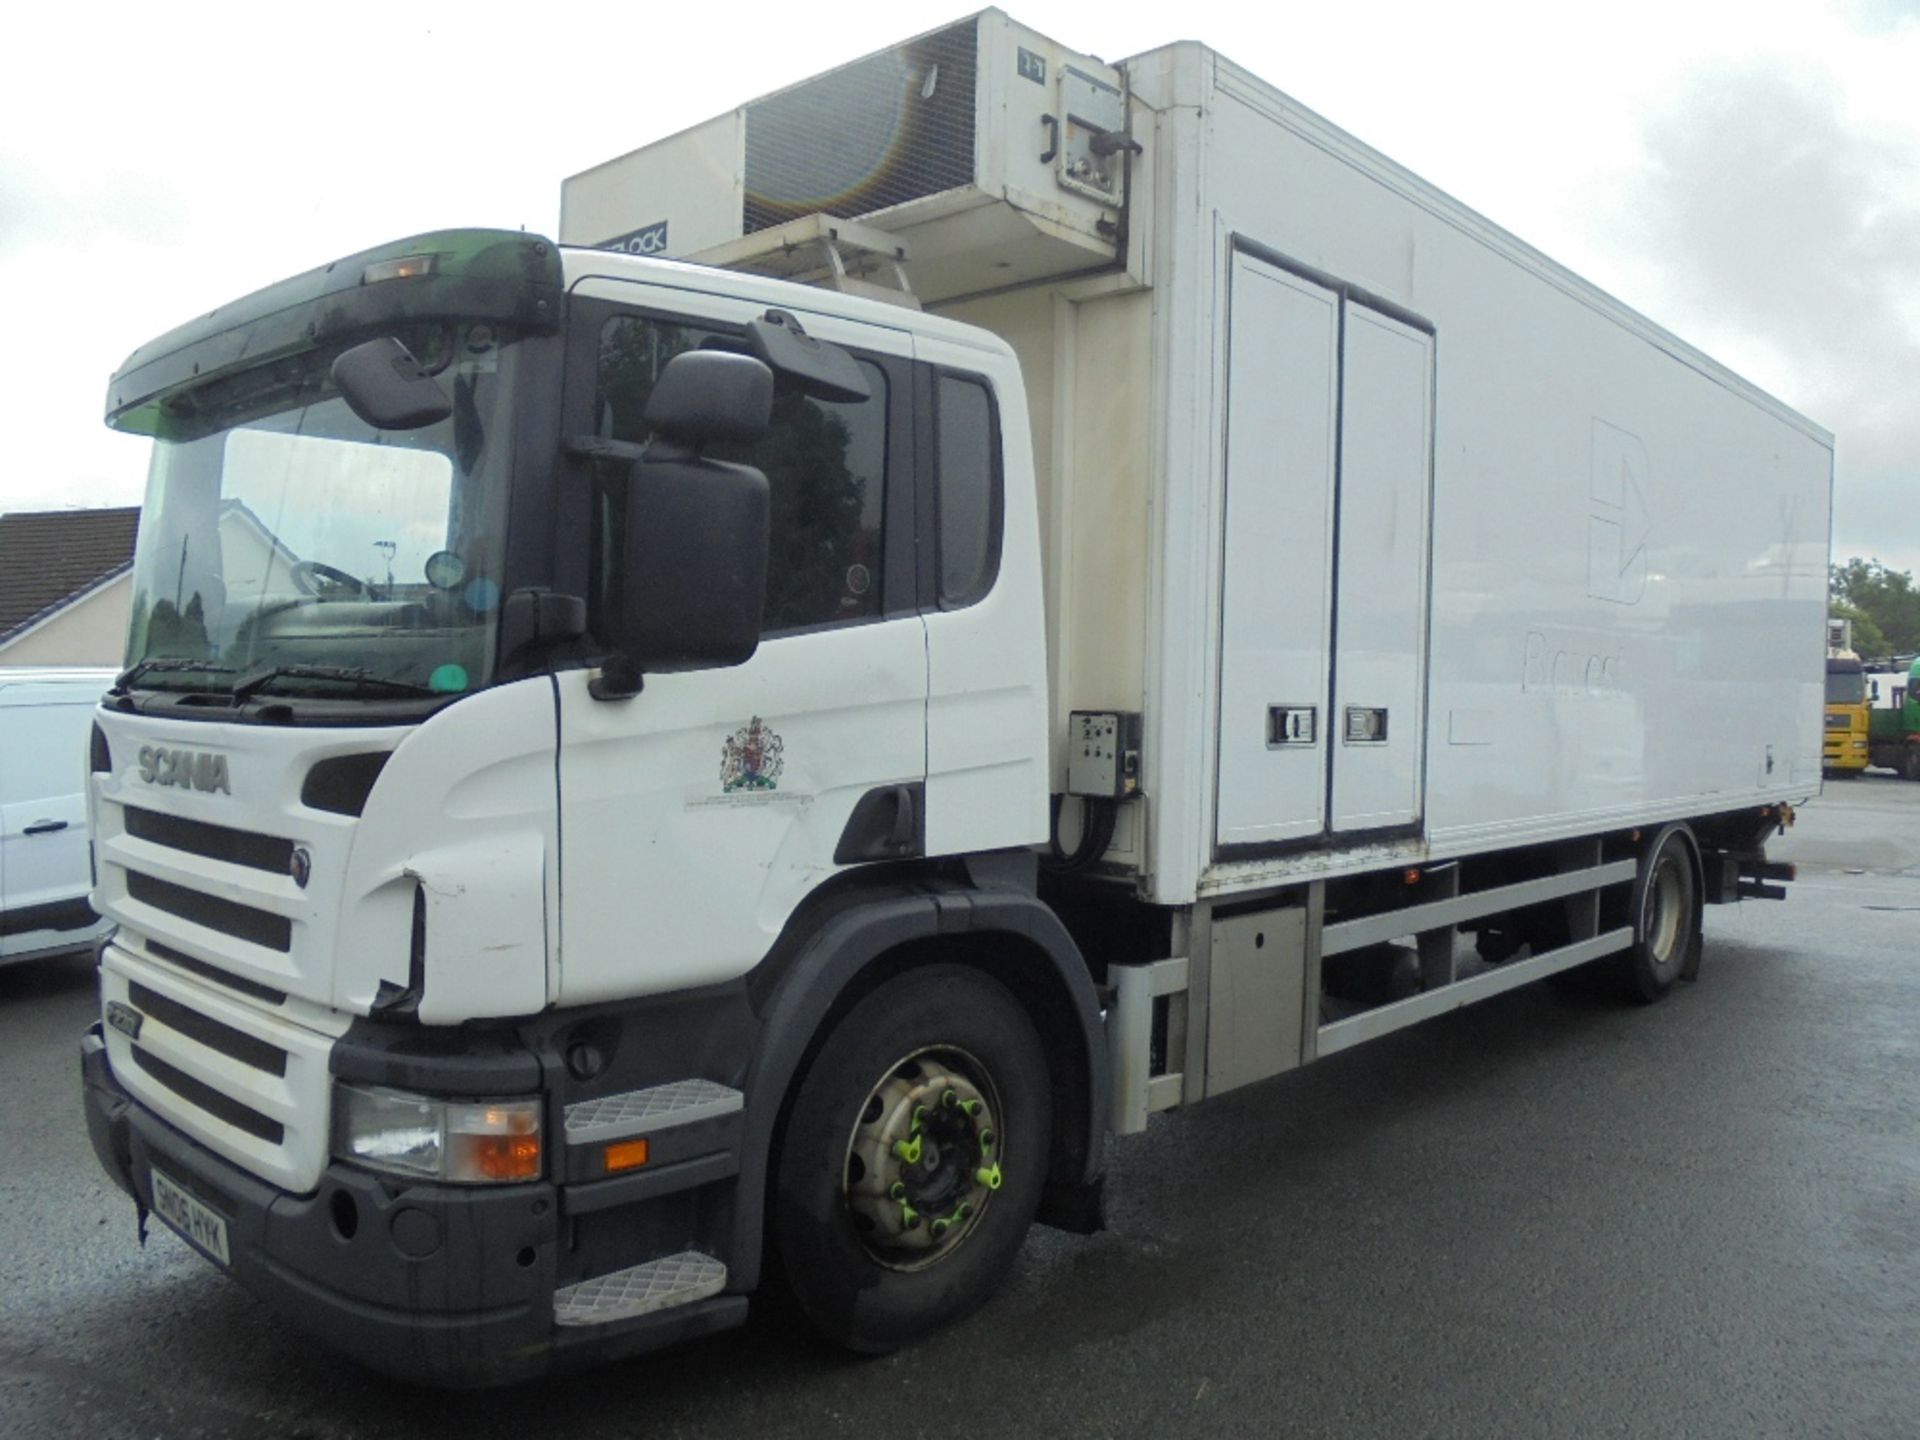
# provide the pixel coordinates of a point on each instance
(194, 1222)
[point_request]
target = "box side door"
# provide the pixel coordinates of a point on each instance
(1377, 745)
(1276, 594)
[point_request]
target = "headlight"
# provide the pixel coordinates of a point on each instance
(479, 1142)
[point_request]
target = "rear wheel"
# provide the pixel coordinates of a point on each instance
(1912, 767)
(1666, 916)
(912, 1159)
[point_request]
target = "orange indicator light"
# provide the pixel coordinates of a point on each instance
(507, 1157)
(626, 1155)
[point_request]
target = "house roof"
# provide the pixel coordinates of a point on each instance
(49, 558)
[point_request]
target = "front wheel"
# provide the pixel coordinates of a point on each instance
(912, 1159)
(1912, 767)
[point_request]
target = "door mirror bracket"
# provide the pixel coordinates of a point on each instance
(619, 679)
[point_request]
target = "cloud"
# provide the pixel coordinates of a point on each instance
(1873, 514)
(1878, 16)
(78, 208)
(1782, 225)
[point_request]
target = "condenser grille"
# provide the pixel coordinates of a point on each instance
(890, 128)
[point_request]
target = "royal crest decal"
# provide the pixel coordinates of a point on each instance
(751, 758)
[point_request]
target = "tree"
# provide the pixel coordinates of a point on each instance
(1888, 598)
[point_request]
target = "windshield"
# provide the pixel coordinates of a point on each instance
(287, 547)
(1846, 686)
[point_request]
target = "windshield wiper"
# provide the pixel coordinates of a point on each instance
(248, 685)
(160, 665)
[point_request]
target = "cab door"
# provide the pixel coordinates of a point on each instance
(696, 815)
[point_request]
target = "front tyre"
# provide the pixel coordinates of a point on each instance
(912, 1159)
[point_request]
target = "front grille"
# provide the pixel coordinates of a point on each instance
(213, 842)
(1839, 722)
(251, 1084)
(217, 1104)
(229, 917)
(236, 983)
(891, 128)
(235, 1044)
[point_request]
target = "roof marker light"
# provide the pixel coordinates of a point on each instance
(406, 267)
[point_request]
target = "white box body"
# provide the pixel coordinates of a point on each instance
(1617, 561)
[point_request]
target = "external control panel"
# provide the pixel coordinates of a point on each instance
(1103, 753)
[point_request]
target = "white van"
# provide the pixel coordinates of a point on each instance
(46, 716)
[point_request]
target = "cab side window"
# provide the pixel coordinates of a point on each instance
(825, 465)
(968, 500)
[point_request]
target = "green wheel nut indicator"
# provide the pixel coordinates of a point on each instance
(989, 1176)
(908, 1150)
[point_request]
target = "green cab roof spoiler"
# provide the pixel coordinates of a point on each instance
(505, 276)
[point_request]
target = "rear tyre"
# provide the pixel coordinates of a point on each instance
(1666, 916)
(912, 1159)
(1912, 767)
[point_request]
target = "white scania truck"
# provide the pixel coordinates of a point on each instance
(1074, 588)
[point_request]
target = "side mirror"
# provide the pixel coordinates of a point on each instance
(384, 385)
(694, 563)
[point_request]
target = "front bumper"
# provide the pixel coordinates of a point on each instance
(1845, 750)
(450, 1285)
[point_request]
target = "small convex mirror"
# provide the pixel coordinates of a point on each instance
(386, 387)
(815, 368)
(445, 569)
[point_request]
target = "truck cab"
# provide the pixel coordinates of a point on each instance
(404, 752)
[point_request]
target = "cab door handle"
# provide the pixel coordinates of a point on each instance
(44, 827)
(888, 823)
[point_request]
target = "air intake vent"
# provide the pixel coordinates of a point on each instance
(229, 917)
(891, 128)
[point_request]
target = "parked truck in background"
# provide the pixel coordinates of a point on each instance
(641, 781)
(1846, 751)
(1894, 727)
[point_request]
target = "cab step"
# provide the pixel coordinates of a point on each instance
(642, 1289)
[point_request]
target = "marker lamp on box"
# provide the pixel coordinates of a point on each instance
(468, 1142)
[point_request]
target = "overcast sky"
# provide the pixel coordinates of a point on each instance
(1748, 174)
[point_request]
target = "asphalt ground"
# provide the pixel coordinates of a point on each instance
(1547, 1215)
